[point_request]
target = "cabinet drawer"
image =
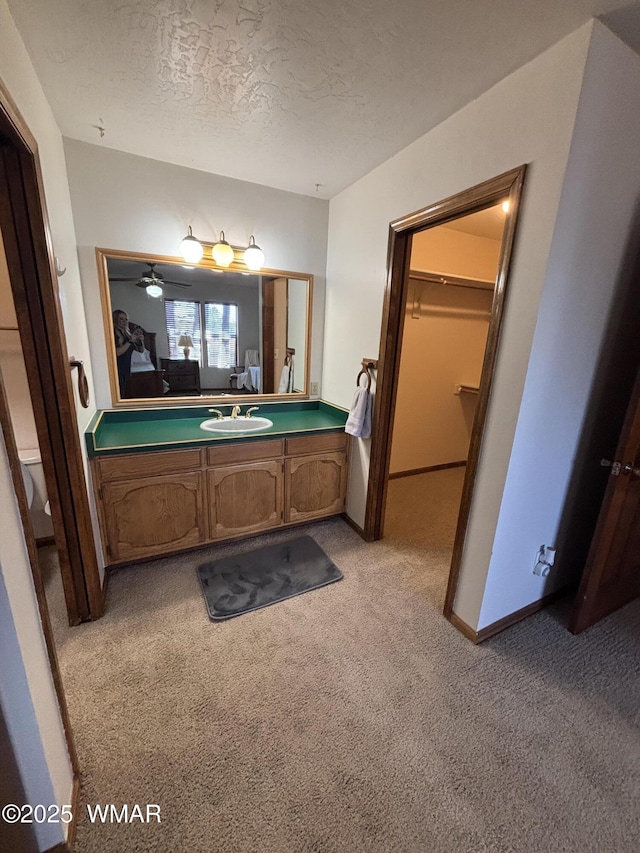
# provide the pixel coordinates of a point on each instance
(179, 381)
(250, 451)
(335, 441)
(185, 367)
(148, 464)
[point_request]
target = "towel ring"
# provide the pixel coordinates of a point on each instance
(364, 372)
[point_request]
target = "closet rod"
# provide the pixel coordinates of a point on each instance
(444, 311)
(455, 280)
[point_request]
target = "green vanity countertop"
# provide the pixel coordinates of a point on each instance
(114, 431)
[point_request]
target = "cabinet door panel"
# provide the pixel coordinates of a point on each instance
(245, 498)
(316, 486)
(154, 515)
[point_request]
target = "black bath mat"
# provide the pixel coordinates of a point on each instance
(246, 582)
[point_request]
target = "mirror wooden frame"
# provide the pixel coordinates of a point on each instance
(104, 255)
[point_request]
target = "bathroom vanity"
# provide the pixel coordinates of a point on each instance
(162, 484)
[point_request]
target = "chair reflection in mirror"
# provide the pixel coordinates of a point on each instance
(247, 376)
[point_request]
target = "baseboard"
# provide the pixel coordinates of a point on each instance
(103, 598)
(462, 626)
(67, 846)
(354, 526)
(506, 622)
(427, 470)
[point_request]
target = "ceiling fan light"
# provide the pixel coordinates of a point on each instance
(191, 248)
(222, 253)
(154, 290)
(253, 255)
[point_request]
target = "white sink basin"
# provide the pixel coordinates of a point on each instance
(236, 425)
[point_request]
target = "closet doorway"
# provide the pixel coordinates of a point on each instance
(444, 301)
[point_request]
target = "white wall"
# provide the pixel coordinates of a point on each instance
(445, 250)
(443, 346)
(121, 201)
(27, 694)
(297, 333)
(18, 77)
(599, 198)
(526, 118)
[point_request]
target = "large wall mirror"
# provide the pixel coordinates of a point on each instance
(178, 333)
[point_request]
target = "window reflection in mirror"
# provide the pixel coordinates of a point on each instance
(202, 332)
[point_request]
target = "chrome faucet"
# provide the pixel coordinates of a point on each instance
(247, 414)
(235, 411)
(218, 413)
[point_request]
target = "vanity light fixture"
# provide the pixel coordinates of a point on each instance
(190, 248)
(154, 290)
(222, 253)
(253, 255)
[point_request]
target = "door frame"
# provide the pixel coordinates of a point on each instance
(507, 186)
(32, 274)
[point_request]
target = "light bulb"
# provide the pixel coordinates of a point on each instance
(191, 249)
(222, 253)
(505, 206)
(253, 255)
(154, 290)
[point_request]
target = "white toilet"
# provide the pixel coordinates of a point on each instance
(36, 490)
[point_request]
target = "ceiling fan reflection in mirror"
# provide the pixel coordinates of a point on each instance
(152, 281)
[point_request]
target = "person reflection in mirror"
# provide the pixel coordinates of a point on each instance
(126, 342)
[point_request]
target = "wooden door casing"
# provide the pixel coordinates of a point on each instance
(150, 516)
(245, 498)
(315, 486)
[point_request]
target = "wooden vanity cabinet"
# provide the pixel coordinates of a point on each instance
(245, 487)
(158, 503)
(315, 477)
(143, 515)
(245, 498)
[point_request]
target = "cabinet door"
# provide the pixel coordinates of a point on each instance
(245, 498)
(153, 515)
(315, 486)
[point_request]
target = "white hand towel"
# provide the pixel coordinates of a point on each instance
(286, 380)
(359, 420)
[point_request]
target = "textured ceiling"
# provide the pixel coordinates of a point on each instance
(287, 93)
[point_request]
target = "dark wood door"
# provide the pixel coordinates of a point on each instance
(611, 576)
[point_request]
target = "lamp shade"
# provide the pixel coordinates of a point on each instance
(253, 255)
(222, 253)
(185, 341)
(191, 248)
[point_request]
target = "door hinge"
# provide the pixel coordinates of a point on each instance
(616, 467)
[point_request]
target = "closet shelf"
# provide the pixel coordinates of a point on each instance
(466, 389)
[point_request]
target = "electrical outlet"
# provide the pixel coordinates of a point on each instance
(315, 389)
(545, 558)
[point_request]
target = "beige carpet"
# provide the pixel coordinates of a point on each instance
(354, 717)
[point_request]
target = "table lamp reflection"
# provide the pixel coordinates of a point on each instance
(186, 342)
